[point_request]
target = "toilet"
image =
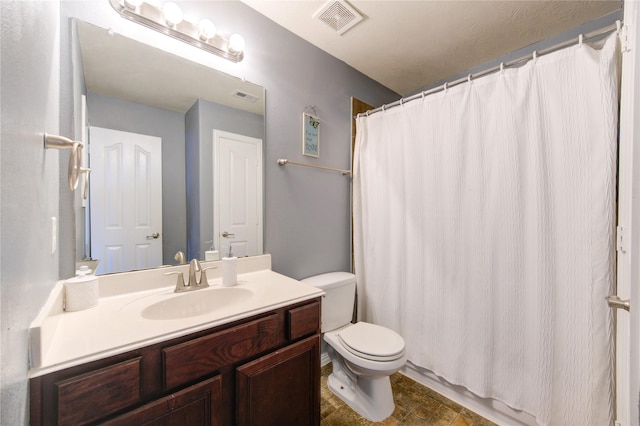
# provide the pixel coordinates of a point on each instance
(364, 355)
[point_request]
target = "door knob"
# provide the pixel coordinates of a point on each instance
(153, 236)
(228, 235)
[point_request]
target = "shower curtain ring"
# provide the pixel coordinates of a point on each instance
(580, 40)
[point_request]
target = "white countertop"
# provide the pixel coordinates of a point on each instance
(62, 339)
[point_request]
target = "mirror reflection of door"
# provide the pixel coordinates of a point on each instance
(237, 183)
(125, 200)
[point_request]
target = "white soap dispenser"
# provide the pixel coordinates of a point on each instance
(229, 269)
(81, 292)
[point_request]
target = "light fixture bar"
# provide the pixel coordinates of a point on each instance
(152, 17)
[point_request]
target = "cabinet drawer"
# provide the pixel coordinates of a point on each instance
(303, 321)
(186, 362)
(91, 396)
(198, 405)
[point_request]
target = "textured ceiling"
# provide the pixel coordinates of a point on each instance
(406, 45)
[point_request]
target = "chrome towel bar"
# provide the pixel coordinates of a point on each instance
(283, 161)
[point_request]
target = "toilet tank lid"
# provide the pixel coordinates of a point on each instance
(330, 279)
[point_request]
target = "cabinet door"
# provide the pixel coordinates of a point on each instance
(198, 405)
(282, 388)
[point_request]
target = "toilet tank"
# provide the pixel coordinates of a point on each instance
(337, 303)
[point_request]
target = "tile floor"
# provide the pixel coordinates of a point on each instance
(415, 405)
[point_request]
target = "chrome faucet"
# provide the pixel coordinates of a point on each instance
(194, 283)
(180, 258)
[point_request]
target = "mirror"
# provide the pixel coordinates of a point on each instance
(149, 200)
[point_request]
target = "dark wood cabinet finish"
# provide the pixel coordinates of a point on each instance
(81, 401)
(191, 380)
(196, 358)
(197, 405)
(303, 321)
(281, 388)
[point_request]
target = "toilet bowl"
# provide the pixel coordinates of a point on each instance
(363, 355)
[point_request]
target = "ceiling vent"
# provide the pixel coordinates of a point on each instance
(339, 15)
(245, 96)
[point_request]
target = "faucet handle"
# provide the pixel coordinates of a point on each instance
(204, 282)
(180, 286)
(194, 267)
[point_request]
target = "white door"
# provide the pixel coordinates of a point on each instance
(237, 198)
(125, 200)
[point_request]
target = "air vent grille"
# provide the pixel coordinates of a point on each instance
(339, 15)
(245, 96)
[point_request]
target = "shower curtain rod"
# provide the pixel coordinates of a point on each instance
(582, 38)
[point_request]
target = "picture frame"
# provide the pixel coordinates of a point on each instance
(310, 135)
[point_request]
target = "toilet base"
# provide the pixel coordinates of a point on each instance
(371, 398)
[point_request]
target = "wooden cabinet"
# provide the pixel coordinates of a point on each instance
(281, 388)
(198, 405)
(257, 371)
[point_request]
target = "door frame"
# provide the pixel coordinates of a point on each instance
(217, 135)
(628, 264)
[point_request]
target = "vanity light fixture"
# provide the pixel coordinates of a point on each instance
(206, 29)
(132, 4)
(168, 20)
(236, 43)
(172, 13)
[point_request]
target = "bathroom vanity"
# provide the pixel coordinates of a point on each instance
(254, 362)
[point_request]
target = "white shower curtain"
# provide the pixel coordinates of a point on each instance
(484, 220)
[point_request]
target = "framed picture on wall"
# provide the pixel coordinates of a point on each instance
(310, 135)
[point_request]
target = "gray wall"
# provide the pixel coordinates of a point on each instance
(118, 114)
(307, 211)
(29, 186)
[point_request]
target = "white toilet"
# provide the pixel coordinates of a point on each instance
(363, 355)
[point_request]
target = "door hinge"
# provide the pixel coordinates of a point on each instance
(624, 39)
(621, 239)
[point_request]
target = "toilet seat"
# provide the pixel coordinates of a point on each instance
(372, 342)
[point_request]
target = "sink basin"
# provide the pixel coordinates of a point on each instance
(196, 303)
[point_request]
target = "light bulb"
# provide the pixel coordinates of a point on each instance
(236, 43)
(207, 29)
(172, 13)
(132, 4)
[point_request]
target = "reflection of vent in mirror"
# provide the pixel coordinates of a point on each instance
(245, 96)
(339, 15)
